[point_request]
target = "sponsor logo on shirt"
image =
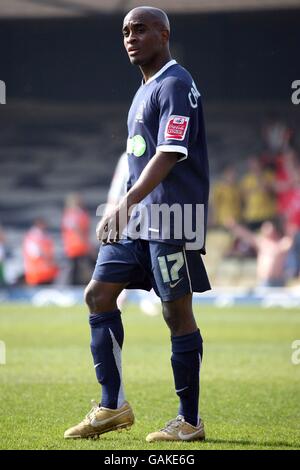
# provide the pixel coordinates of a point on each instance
(136, 145)
(176, 127)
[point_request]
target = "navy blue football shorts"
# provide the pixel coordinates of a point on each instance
(141, 264)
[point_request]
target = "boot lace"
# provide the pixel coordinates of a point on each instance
(173, 424)
(91, 414)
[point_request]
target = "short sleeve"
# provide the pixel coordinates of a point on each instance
(174, 118)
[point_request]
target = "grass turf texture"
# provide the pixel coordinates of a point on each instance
(250, 389)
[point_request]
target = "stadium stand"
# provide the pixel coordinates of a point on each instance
(15, 8)
(54, 153)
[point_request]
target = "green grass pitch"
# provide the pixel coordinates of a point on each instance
(250, 389)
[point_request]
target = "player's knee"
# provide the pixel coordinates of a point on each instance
(97, 300)
(89, 297)
(166, 312)
(94, 299)
(169, 316)
(179, 320)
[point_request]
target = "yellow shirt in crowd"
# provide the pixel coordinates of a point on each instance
(226, 203)
(259, 203)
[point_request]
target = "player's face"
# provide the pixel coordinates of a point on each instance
(143, 40)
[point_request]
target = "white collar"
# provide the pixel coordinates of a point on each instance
(162, 70)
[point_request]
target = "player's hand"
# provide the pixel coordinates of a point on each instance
(110, 228)
(107, 229)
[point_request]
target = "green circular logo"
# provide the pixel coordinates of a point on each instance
(138, 145)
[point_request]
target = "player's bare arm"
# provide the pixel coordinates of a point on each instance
(110, 227)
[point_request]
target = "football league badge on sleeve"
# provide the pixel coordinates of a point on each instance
(176, 127)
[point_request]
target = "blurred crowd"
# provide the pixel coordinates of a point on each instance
(40, 263)
(258, 203)
(260, 206)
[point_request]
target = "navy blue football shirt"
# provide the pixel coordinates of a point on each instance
(166, 114)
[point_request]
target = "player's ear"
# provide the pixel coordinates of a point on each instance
(165, 34)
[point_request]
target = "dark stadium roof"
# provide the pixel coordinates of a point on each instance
(58, 8)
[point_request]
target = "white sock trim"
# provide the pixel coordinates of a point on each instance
(117, 355)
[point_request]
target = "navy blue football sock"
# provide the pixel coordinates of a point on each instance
(106, 345)
(186, 360)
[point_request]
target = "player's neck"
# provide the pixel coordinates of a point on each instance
(151, 69)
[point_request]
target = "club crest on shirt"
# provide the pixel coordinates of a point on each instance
(176, 127)
(140, 112)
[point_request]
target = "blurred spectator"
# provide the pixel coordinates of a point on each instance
(118, 186)
(2, 257)
(118, 189)
(272, 248)
(75, 235)
(277, 138)
(282, 158)
(258, 196)
(286, 172)
(226, 198)
(292, 220)
(38, 252)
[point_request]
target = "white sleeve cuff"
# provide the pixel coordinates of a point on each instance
(174, 148)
